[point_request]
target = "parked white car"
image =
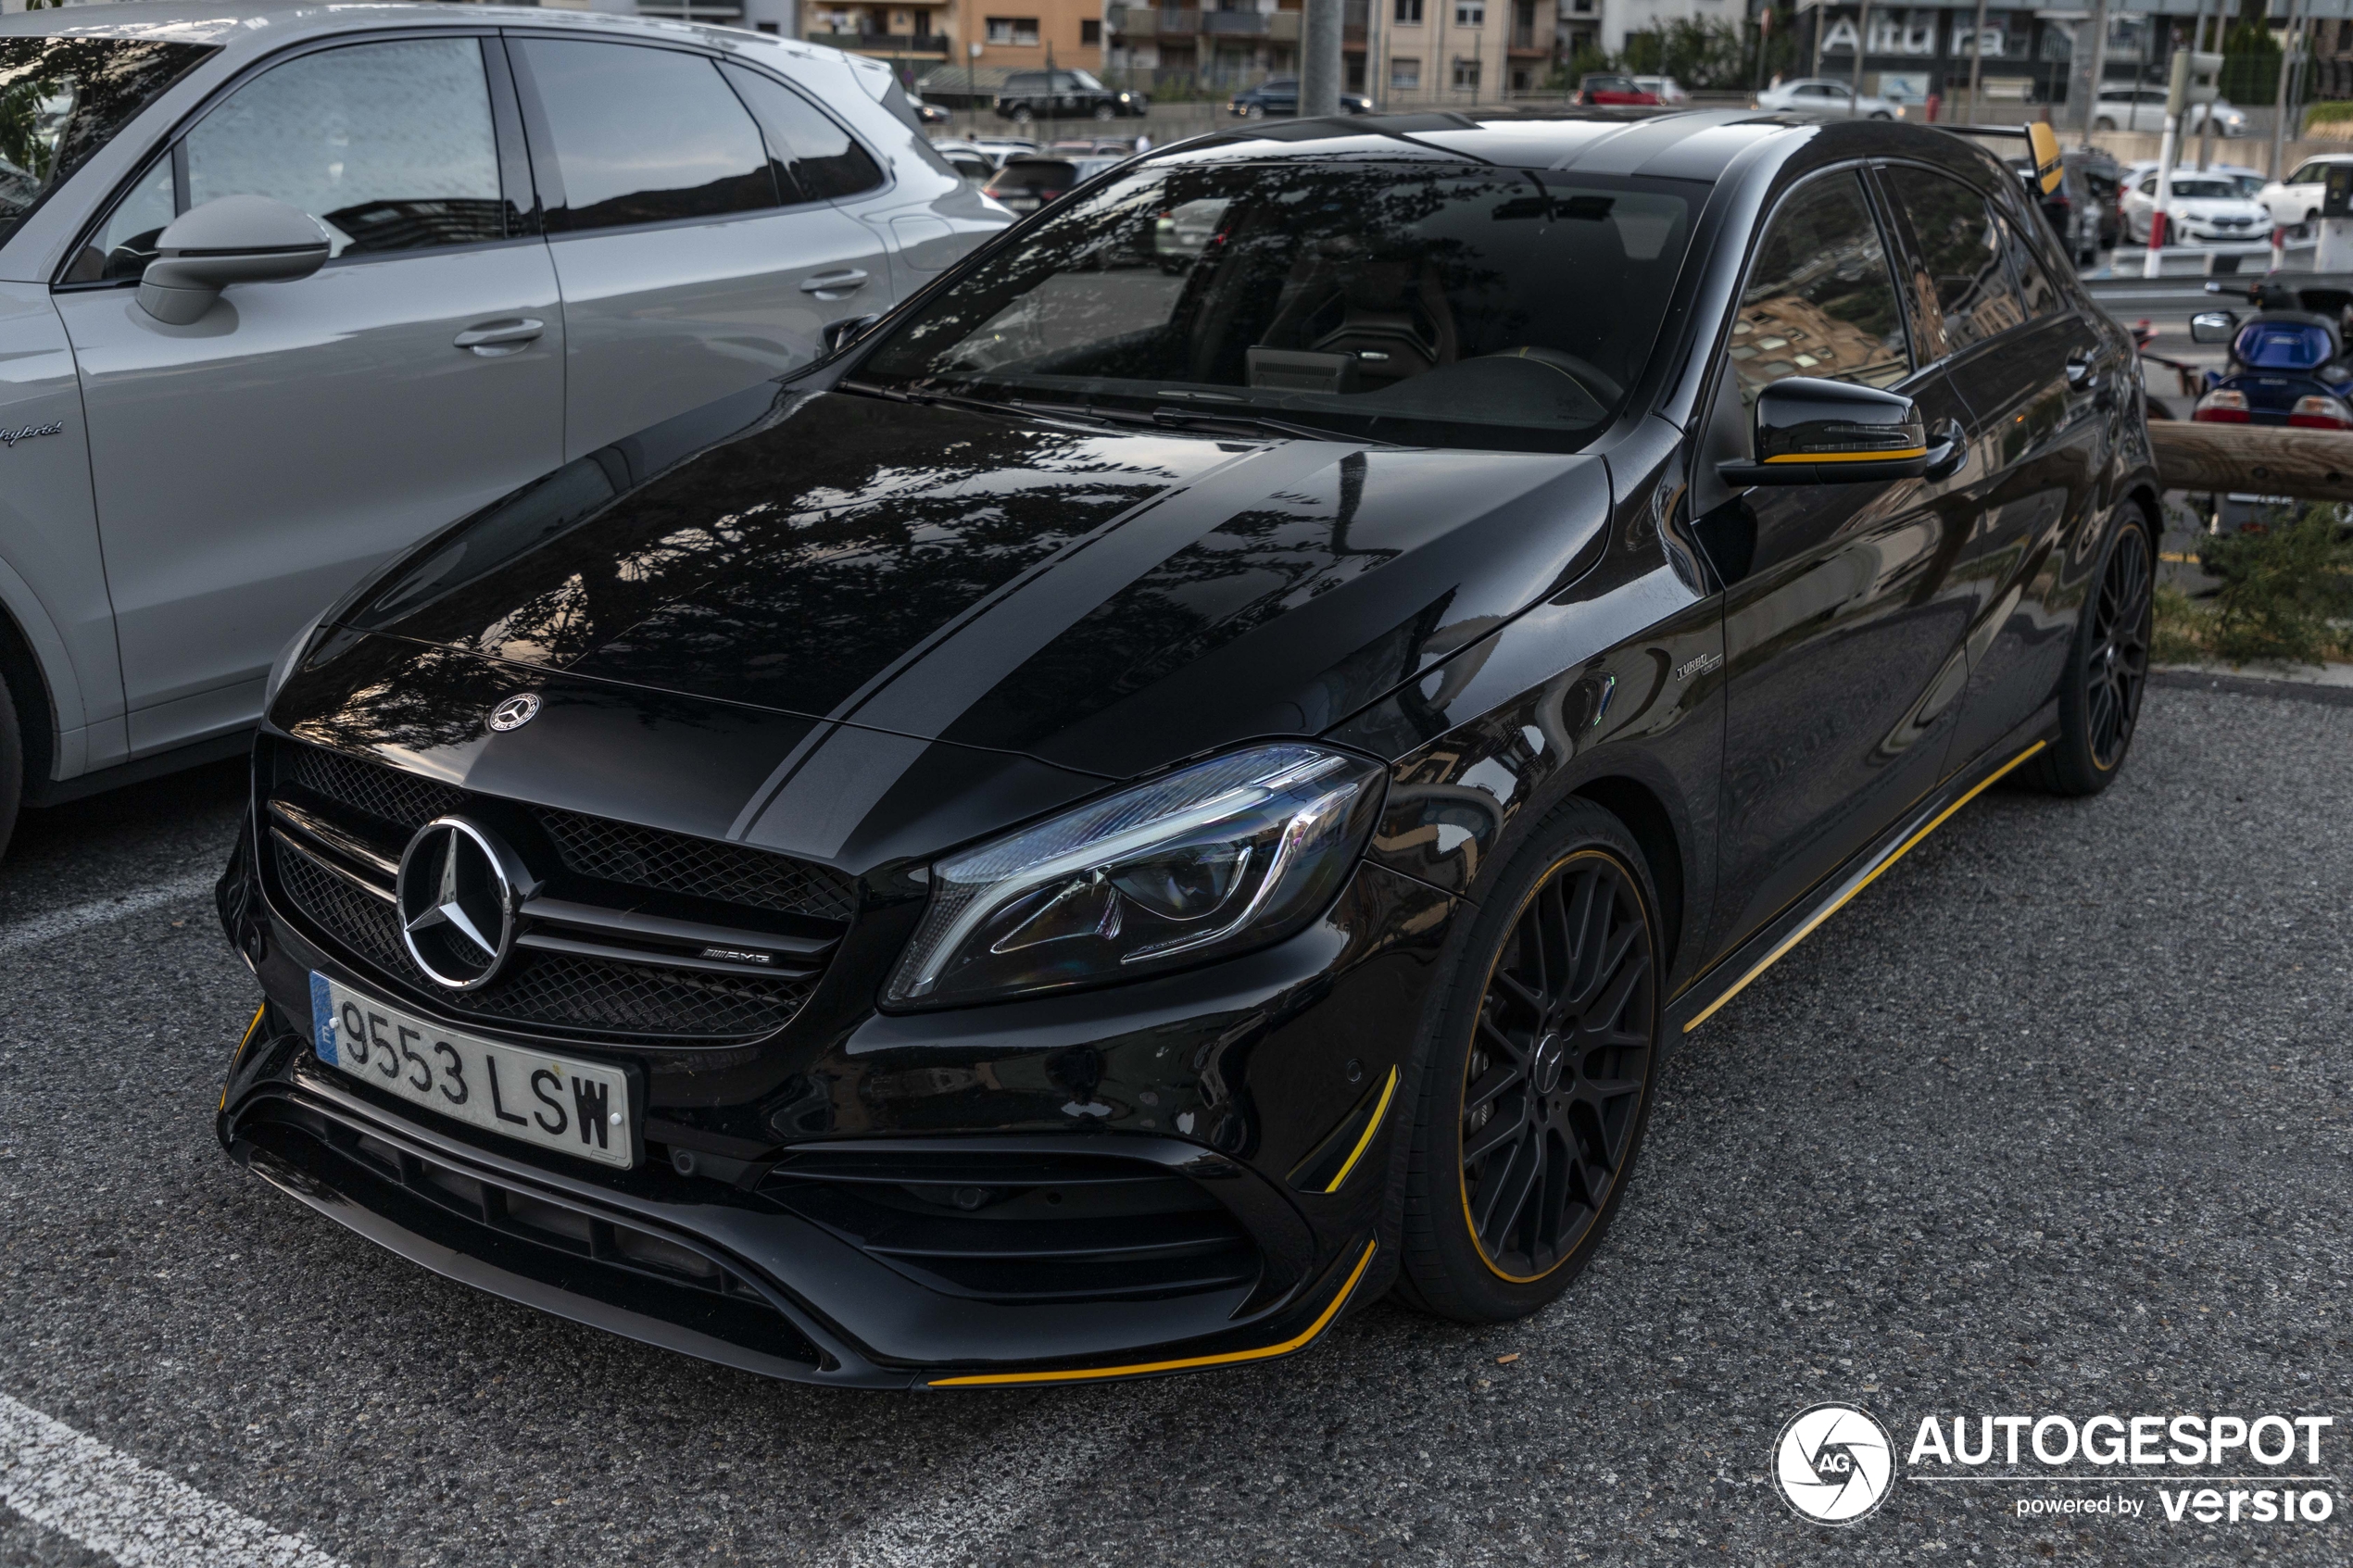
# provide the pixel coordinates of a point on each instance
(2297, 199)
(2200, 209)
(1666, 89)
(1821, 96)
(2142, 108)
(287, 287)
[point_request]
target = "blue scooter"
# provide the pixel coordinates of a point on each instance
(2287, 360)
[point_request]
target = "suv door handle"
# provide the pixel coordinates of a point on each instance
(494, 338)
(835, 285)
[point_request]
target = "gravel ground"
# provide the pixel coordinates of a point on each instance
(2054, 1119)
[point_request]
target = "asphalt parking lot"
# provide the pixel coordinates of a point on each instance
(2054, 1118)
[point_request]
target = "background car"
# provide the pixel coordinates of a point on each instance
(2142, 108)
(1279, 95)
(1821, 96)
(978, 165)
(439, 250)
(1610, 88)
(928, 114)
(2082, 211)
(2200, 209)
(1032, 179)
(1066, 95)
(2297, 199)
(1666, 89)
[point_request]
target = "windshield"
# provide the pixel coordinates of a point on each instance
(1431, 304)
(61, 99)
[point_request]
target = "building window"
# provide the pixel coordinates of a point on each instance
(1091, 31)
(1409, 13)
(1466, 74)
(1470, 13)
(1405, 76)
(1012, 29)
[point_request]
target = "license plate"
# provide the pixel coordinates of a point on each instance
(578, 1108)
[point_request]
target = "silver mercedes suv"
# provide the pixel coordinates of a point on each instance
(283, 288)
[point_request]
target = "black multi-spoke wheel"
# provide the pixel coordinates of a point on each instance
(2118, 666)
(1552, 1088)
(1535, 1086)
(2107, 672)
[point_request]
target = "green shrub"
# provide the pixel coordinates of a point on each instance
(2287, 589)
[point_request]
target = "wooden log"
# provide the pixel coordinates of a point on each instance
(2312, 465)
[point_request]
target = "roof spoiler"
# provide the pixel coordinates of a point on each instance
(2041, 140)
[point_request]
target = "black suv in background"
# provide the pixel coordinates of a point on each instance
(2082, 212)
(1279, 95)
(1066, 95)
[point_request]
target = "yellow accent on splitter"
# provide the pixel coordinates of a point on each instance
(1371, 1127)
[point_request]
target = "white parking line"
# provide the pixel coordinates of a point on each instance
(1030, 1461)
(112, 1503)
(98, 911)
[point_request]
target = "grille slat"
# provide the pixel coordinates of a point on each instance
(594, 993)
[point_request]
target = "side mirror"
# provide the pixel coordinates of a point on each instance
(2213, 326)
(841, 334)
(242, 239)
(1812, 432)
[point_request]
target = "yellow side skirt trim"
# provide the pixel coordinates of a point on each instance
(1264, 1352)
(1371, 1127)
(1803, 931)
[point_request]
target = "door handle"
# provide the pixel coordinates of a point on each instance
(494, 338)
(835, 285)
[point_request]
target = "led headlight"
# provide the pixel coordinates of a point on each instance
(1228, 854)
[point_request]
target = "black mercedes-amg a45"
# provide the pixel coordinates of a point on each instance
(1189, 776)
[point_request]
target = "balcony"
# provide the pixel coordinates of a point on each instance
(884, 42)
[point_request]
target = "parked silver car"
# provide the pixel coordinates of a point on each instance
(283, 288)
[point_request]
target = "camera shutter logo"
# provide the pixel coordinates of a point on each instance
(515, 713)
(1834, 1463)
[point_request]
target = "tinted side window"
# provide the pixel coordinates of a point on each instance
(1821, 300)
(389, 144)
(645, 135)
(812, 154)
(2036, 292)
(127, 244)
(1961, 247)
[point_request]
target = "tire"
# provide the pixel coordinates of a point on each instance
(2103, 123)
(11, 766)
(1023, 117)
(1104, 111)
(1883, 115)
(1255, 111)
(1550, 1025)
(2107, 669)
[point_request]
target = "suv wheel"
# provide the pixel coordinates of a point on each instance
(1102, 111)
(1535, 1092)
(2107, 672)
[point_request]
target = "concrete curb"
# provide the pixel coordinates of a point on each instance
(2198, 678)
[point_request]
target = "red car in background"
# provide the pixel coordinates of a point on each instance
(1610, 88)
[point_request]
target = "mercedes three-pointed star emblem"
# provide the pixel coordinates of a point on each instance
(458, 901)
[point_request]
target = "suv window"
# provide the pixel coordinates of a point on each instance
(812, 155)
(645, 135)
(1961, 249)
(388, 146)
(65, 98)
(2308, 174)
(2036, 291)
(1820, 299)
(127, 244)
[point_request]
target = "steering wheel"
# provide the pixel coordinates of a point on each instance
(1598, 383)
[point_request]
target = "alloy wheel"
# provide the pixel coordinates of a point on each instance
(1558, 1064)
(2118, 670)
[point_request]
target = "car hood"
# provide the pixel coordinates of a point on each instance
(1100, 599)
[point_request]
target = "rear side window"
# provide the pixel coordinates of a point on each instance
(1961, 255)
(1820, 299)
(814, 155)
(645, 135)
(2036, 291)
(388, 146)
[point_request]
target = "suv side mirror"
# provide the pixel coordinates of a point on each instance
(242, 239)
(1813, 431)
(2213, 326)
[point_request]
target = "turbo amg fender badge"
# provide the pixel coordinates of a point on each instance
(515, 713)
(457, 902)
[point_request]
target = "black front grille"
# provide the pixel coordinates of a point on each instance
(549, 988)
(1022, 1228)
(575, 1250)
(729, 873)
(335, 812)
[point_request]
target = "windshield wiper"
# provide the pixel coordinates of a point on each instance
(1203, 420)
(1242, 424)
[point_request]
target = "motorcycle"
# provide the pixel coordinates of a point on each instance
(2287, 360)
